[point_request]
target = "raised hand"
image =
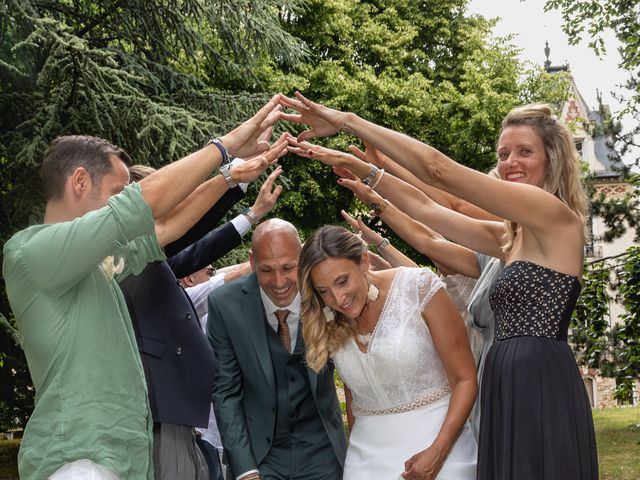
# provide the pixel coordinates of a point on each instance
(324, 155)
(252, 137)
(365, 193)
(358, 226)
(268, 196)
(370, 155)
(252, 168)
(324, 121)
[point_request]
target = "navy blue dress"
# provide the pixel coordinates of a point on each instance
(536, 419)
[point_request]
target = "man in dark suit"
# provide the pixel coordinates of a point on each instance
(277, 418)
(178, 361)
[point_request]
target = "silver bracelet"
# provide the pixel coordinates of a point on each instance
(252, 217)
(226, 174)
(375, 184)
(371, 176)
(383, 244)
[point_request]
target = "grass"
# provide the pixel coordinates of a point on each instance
(618, 437)
(8, 453)
(617, 433)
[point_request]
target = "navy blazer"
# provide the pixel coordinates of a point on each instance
(178, 361)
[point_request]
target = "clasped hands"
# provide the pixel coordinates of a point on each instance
(251, 139)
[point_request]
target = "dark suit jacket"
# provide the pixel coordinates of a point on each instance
(178, 361)
(244, 396)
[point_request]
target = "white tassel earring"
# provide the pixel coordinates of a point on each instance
(373, 293)
(329, 314)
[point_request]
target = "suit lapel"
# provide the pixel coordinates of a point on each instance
(254, 317)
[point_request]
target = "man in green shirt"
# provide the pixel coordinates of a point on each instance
(91, 409)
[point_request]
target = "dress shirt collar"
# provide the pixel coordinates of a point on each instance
(270, 308)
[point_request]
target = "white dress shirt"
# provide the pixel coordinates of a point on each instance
(292, 320)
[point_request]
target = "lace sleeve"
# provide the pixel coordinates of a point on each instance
(428, 285)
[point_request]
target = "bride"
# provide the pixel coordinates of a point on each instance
(401, 348)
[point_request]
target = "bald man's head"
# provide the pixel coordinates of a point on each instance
(275, 249)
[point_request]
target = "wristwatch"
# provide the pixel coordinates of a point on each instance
(371, 175)
(378, 208)
(223, 150)
(253, 219)
(225, 171)
(382, 245)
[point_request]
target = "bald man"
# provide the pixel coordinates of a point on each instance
(277, 418)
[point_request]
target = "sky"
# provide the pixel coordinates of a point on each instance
(533, 26)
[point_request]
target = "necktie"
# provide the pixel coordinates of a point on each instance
(283, 328)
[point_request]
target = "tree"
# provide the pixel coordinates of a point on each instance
(141, 73)
(159, 77)
(629, 334)
(593, 17)
(424, 68)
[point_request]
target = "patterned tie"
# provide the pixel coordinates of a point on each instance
(283, 328)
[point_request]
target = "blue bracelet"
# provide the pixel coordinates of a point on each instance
(223, 150)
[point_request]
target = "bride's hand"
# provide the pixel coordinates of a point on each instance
(324, 121)
(425, 465)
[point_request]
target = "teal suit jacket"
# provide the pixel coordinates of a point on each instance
(244, 394)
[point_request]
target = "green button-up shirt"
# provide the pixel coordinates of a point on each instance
(91, 397)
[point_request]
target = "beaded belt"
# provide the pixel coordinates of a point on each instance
(432, 396)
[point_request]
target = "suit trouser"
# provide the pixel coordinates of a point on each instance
(298, 460)
(212, 458)
(176, 455)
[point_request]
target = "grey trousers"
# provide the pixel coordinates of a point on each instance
(176, 455)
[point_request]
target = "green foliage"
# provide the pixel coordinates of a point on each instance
(615, 350)
(593, 17)
(423, 68)
(590, 318)
(160, 77)
(141, 73)
(629, 286)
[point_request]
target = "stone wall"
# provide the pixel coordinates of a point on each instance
(601, 389)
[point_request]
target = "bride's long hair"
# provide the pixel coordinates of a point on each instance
(323, 338)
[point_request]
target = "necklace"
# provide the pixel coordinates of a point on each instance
(364, 339)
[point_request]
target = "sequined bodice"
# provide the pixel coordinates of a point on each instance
(401, 371)
(532, 300)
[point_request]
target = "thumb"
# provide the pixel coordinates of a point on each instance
(357, 152)
(307, 134)
(263, 146)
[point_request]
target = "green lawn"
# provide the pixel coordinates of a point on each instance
(618, 436)
(617, 431)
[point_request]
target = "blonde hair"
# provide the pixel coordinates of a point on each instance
(322, 339)
(562, 172)
(138, 172)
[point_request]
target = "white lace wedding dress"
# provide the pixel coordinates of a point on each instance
(400, 389)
